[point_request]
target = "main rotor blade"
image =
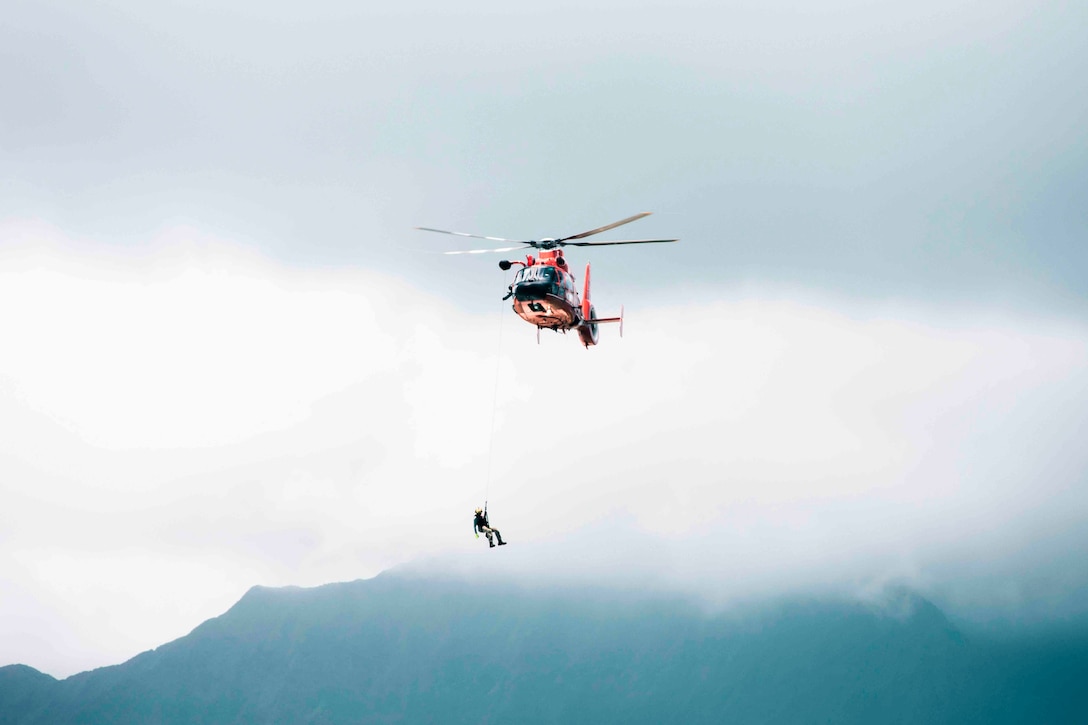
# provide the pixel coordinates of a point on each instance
(474, 236)
(620, 241)
(613, 225)
(482, 251)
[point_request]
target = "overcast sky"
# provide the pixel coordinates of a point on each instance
(228, 360)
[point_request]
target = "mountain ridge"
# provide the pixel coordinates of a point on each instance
(397, 648)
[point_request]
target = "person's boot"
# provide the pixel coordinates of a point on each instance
(491, 544)
(502, 543)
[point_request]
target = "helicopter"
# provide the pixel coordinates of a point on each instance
(544, 288)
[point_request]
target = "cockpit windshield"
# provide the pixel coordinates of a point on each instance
(536, 282)
(540, 273)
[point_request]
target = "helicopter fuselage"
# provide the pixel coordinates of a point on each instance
(545, 296)
(544, 293)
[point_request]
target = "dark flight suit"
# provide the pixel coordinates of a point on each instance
(481, 524)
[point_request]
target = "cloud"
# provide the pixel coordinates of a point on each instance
(192, 352)
(757, 447)
(190, 420)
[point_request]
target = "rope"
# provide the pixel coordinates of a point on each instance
(494, 402)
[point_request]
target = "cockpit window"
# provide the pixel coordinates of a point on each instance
(535, 283)
(536, 273)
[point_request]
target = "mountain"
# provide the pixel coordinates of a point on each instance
(403, 649)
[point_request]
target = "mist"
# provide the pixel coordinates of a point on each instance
(188, 422)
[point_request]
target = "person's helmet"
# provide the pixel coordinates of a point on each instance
(479, 510)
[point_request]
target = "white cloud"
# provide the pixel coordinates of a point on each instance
(196, 420)
(197, 352)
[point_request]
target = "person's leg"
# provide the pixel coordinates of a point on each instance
(499, 537)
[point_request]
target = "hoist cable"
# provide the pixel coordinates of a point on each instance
(494, 401)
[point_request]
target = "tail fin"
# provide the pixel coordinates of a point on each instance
(585, 296)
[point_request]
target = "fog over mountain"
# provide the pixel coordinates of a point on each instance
(165, 449)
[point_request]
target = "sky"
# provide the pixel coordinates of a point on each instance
(227, 359)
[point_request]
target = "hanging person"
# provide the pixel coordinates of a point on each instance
(480, 523)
